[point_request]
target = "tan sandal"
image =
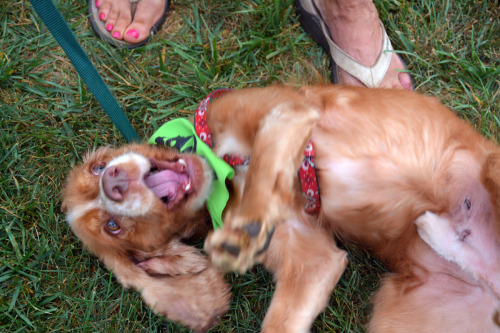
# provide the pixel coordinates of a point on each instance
(313, 24)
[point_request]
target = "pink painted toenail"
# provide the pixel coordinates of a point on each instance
(116, 34)
(102, 16)
(97, 3)
(133, 33)
(109, 27)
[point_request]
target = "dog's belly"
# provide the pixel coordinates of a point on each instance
(379, 171)
(363, 197)
(444, 303)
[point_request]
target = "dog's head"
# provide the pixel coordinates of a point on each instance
(136, 198)
(132, 207)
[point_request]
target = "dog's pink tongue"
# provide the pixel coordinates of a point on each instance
(165, 183)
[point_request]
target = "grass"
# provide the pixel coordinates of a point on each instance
(48, 119)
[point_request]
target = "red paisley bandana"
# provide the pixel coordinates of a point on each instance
(307, 173)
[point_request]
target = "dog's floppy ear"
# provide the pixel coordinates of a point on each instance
(176, 260)
(491, 180)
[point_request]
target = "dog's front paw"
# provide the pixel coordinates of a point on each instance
(238, 249)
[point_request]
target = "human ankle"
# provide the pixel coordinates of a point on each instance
(356, 28)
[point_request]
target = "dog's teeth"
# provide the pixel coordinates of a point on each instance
(182, 162)
(187, 186)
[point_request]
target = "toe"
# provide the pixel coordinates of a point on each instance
(147, 14)
(122, 22)
(109, 17)
(104, 10)
(405, 81)
(120, 17)
(395, 77)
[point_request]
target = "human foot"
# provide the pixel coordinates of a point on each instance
(355, 27)
(359, 41)
(127, 23)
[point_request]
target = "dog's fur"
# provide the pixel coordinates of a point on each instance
(147, 254)
(398, 173)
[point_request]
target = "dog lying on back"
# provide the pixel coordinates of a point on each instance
(398, 173)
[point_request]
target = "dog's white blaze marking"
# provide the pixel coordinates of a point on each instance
(135, 204)
(80, 210)
(137, 159)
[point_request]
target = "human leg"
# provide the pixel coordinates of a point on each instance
(355, 27)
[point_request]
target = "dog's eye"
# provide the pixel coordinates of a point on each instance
(113, 227)
(98, 168)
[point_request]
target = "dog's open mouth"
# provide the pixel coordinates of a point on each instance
(169, 180)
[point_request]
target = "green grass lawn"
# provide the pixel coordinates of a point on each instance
(48, 282)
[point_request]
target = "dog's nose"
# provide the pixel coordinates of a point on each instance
(115, 183)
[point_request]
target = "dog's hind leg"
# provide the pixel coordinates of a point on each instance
(306, 265)
(268, 193)
(474, 250)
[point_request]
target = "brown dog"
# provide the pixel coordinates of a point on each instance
(398, 173)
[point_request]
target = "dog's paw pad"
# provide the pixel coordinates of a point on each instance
(253, 229)
(238, 249)
(231, 249)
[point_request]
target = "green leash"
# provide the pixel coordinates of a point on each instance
(62, 33)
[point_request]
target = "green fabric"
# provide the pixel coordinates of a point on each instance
(181, 135)
(62, 33)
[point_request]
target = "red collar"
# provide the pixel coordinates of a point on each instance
(307, 173)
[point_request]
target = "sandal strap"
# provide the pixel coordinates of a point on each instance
(369, 76)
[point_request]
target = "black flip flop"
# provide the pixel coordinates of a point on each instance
(101, 32)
